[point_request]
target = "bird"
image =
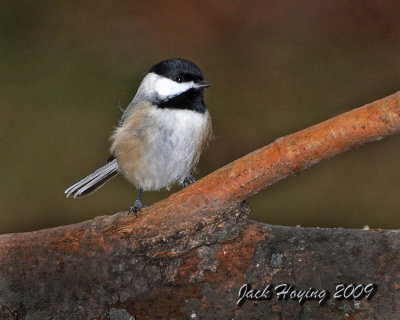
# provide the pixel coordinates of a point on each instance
(161, 134)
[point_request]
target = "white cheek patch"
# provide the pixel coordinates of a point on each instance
(166, 88)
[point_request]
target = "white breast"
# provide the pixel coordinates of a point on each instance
(173, 146)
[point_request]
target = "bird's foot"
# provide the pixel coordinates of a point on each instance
(188, 181)
(137, 206)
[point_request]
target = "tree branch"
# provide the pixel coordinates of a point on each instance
(188, 255)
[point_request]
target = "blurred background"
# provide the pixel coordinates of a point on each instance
(68, 68)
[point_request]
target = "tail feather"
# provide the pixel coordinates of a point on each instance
(93, 181)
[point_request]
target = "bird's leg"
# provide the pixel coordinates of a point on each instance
(188, 181)
(138, 203)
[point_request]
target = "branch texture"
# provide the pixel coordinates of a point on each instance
(188, 255)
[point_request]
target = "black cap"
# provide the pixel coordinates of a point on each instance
(179, 70)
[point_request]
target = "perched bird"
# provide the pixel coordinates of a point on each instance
(161, 133)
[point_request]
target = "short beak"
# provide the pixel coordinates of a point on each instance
(203, 84)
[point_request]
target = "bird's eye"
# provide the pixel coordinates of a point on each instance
(179, 79)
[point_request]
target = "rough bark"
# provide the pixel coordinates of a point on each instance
(187, 256)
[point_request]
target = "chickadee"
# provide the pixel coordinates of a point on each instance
(161, 133)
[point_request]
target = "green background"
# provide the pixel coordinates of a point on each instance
(67, 68)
